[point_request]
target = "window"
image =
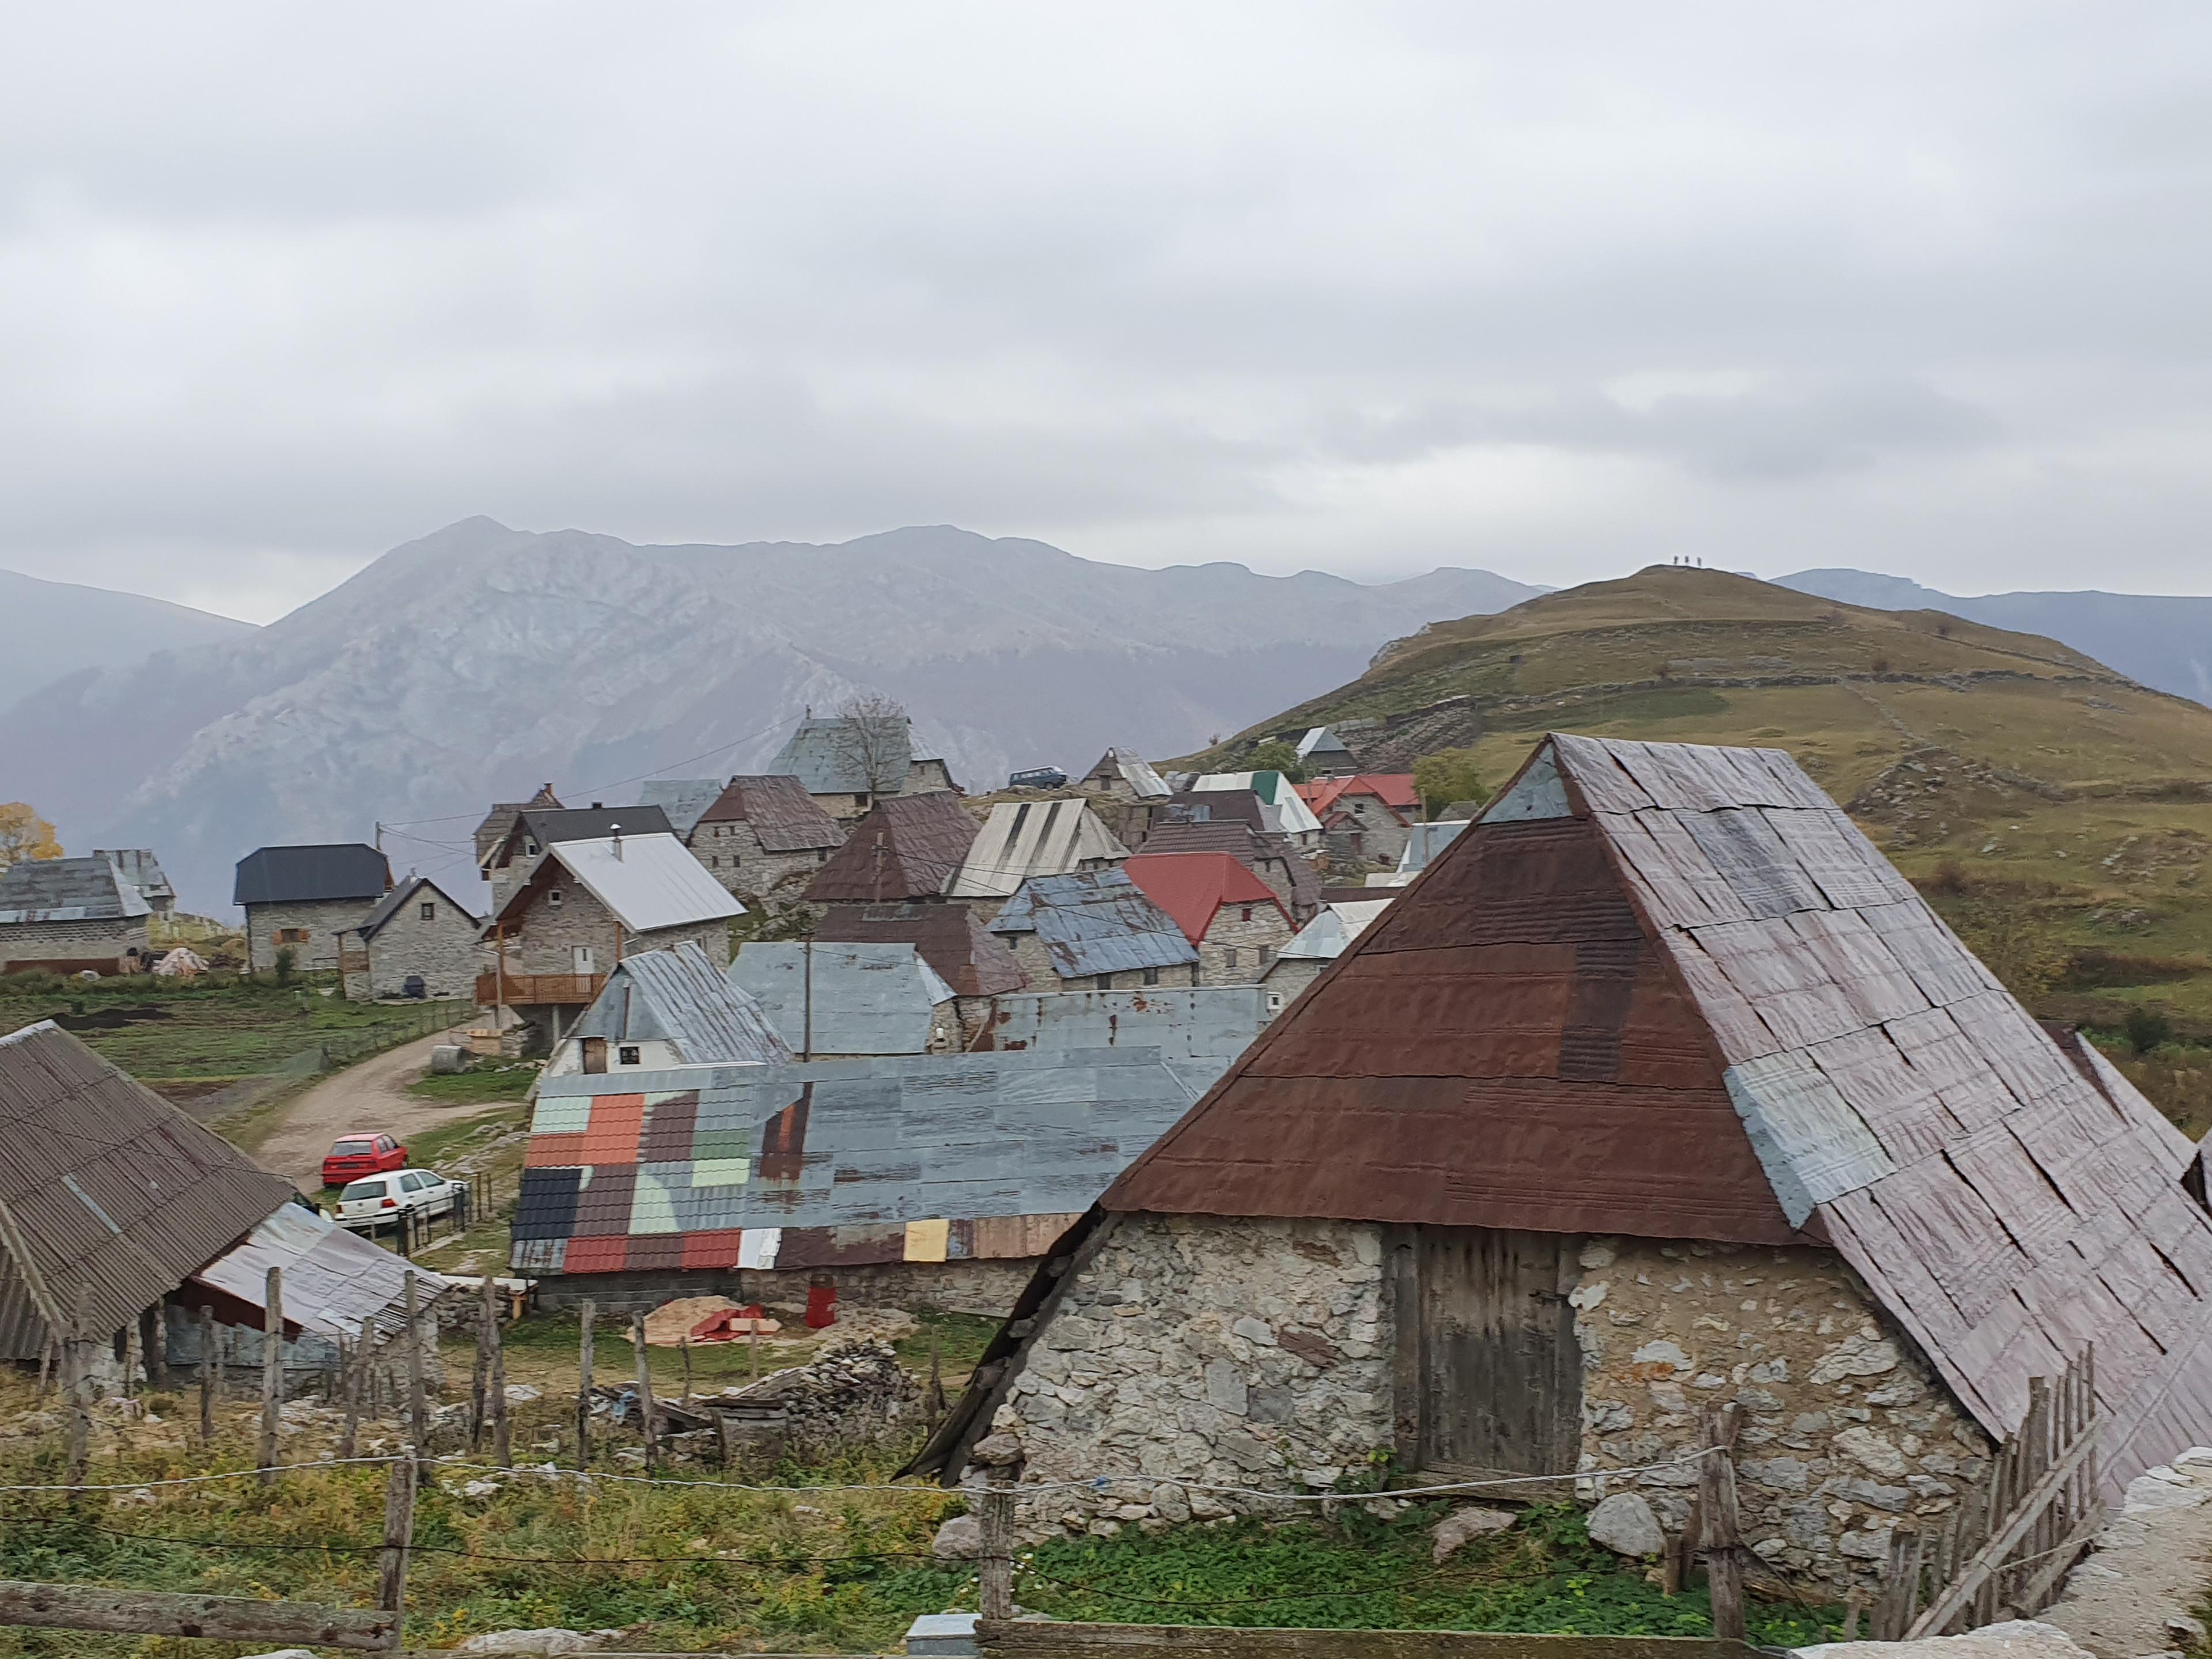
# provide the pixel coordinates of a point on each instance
(553, 898)
(530, 849)
(291, 936)
(1104, 981)
(628, 1055)
(1013, 944)
(427, 912)
(1229, 957)
(1267, 954)
(1151, 976)
(412, 1183)
(1246, 914)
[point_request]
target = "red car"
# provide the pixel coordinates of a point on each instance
(354, 1156)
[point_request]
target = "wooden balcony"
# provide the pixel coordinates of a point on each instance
(538, 990)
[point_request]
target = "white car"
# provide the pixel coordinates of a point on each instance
(375, 1200)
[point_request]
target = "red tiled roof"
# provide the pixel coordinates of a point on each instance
(780, 811)
(1393, 789)
(1191, 886)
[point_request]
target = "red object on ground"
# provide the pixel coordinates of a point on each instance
(821, 1306)
(733, 1324)
(354, 1156)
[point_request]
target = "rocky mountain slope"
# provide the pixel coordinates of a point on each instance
(48, 630)
(2164, 641)
(481, 662)
(2021, 780)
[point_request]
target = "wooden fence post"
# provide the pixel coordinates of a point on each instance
(584, 1389)
(399, 1534)
(418, 1398)
(933, 1398)
(76, 1379)
(133, 1355)
(685, 1345)
(272, 1372)
(207, 1377)
(482, 1371)
(645, 1391)
(503, 1446)
(994, 1570)
(1722, 1535)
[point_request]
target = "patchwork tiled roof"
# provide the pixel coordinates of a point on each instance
(908, 846)
(782, 814)
(950, 937)
(1095, 921)
(925, 1158)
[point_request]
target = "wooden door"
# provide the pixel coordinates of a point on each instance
(1500, 1371)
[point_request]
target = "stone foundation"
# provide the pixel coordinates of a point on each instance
(988, 1288)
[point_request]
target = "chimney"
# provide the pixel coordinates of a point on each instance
(615, 831)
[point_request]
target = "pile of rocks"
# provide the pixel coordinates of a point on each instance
(850, 1394)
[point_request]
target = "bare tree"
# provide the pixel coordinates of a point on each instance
(876, 740)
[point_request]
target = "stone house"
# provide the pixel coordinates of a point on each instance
(763, 836)
(906, 848)
(419, 941)
(924, 1181)
(1266, 854)
(1281, 807)
(300, 899)
(1021, 839)
(1660, 1088)
(1322, 754)
(143, 870)
(72, 916)
(949, 937)
(1234, 919)
(1125, 774)
(664, 1010)
(1096, 930)
(1316, 944)
(499, 823)
(839, 1001)
(1366, 819)
(514, 855)
(850, 762)
(585, 906)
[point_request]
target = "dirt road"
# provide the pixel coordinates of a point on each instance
(370, 1096)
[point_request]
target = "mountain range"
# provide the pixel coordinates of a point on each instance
(479, 662)
(53, 628)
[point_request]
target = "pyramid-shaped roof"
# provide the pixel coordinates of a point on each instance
(908, 846)
(1673, 992)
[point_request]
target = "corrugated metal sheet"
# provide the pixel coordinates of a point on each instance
(781, 812)
(1021, 839)
(1326, 937)
(304, 875)
(909, 846)
(681, 800)
(1198, 1030)
(1529, 1039)
(141, 869)
(335, 1283)
(678, 996)
(1192, 887)
(1424, 840)
(851, 999)
(1095, 921)
(109, 1189)
(68, 890)
(950, 937)
(835, 755)
(648, 882)
(1127, 766)
(829, 1164)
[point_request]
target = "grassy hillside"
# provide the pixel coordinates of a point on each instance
(2059, 813)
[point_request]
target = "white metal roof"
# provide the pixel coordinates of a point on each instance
(1324, 938)
(649, 882)
(1281, 804)
(1021, 839)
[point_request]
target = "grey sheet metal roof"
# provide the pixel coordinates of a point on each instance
(68, 890)
(107, 1188)
(891, 1159)
(834, 754)
(2008, 1203)
(678, 996)
(404, 894)
(141, 869)
(1021, 839)
(549, 827)
(831, 999)
(681, 799)
(1095, 921)
(309, 875)
(1424, 840)
(1133, 769)
(1198, 1029)
(335, 1283)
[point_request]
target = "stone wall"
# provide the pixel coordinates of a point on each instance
(444, 952)
(323, 923)
(732, 852)
(1288, 979)
(25, 945)
(1244, 1353)
(546, 941)
(986, 1287)
(1238, 952)
(1847, 1433)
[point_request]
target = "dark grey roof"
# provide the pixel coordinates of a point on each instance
(390, 907)
(550, 827)
(141, 869)
(683, 799)
(308, 875)
(67, 890)
(678, 996)
(835, 756)
(1095, 921)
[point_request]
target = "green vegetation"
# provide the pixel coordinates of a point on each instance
(484, 1082)
(1448, 775)
(1276, 755)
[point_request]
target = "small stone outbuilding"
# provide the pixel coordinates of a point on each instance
(762, 837)
(301, 899)
(1228, 913)
(1094, 930)
(1659, 1088)
(71, 916)
(419, 941)
(662, 1010)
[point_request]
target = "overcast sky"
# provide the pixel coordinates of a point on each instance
(1554, 290)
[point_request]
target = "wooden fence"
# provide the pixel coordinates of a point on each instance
(2009, 1547)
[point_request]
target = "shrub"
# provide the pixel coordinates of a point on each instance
(285, 958)
(1448, 775)
(2146, 1028)
(1276, 755)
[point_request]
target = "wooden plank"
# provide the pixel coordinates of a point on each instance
(1223, 1642)
(1989, 1560)
(1501, 1371)
(217, 1618)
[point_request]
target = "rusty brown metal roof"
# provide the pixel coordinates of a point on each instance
(106, 1190)
(908, 846)
(950, 937)
(782, 814)
(1673, 991)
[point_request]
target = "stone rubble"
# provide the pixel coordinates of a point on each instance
(2138, 1591)
(1456, 1529)
(1624, 1524)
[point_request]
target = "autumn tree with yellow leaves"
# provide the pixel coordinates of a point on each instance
(25, 835)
